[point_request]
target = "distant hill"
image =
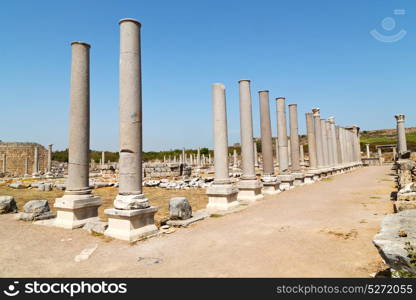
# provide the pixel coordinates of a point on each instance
(386, 137)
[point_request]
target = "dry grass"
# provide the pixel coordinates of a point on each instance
(157, 197)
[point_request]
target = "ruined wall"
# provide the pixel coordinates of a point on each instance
(16, 154)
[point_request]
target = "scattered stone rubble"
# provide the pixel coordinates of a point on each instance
(36, 210)
(396, 241)
(7, 205)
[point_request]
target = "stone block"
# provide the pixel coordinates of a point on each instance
(179, 208)
(131, 225)
(222, 197)
(7, 205)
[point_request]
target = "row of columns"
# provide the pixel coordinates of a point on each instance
(132, 217)
(330, 147)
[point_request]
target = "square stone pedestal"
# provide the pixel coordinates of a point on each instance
(309, 178)
(286, 182)
(299, 179)
(131, 224)
(222, 197)
(249, 190)
(271, 186)
(74, 211)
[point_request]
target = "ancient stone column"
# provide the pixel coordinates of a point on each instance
(294, 138)
(266, 134)
(26, 166)
(302, 155)
(198, 157)
(276, 145)
(311, 141)
(318, 136)
(78, 206)
(221, 194)
(334, 140)
(132, 217)
(249, 187)
(102, 159)
(256, 156)
(286, 180)
(235, 159)
(270, 183)
(331, 158)
(183, 156)
(36, 162)
(401, 135)
(49, 166)
(282, 135)
(325, 142)
(394, 153)
(339, 149)
(367, 146)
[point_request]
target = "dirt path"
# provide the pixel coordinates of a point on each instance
(319, 230)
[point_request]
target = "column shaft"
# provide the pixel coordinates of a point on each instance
(246, 131)
(282, 135)
(220, 134)
(266, 134)
(294, 138)
(311, 141)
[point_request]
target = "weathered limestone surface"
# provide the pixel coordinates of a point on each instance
(78, 206)
(36, 210)
(249, 188)
(179, 208)
(7, 205)
(397, 230)
(282, 135)
(132, 217)
(222, 194)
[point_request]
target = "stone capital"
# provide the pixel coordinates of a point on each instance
(399, 118)
(316, 112)
(331, 120)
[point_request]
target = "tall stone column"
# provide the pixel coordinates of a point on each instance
(333, 132)
(294, 138)
(286, 179)
(282, 136)
(276, 145)
(183, 156)
(302, 155)
(318, 136)
(401, 135)
(394, 153)
(49, 166)
(235, 160)
(331, 157)
(311, 142)
(102, 159)
(266, 134)
(270, 183)
(222, 194)
(198, 157)
(249, 187)
(325, 142)
(36, 162)
(367, 146)
(339, 149)
(132, 217)
(256, 156)
(78, 206)
(26, 167)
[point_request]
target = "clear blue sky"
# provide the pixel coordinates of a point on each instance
(315, 53)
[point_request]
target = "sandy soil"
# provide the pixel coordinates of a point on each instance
(319, 230)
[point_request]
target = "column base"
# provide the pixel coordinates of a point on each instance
(298, 179)
(74, 211)
(286, 182)
(249, 190)
(222, 197)
(270, 185)
(131, 225)
(309, 178)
